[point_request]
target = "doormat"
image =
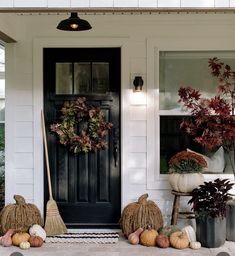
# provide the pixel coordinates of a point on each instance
(85, 237)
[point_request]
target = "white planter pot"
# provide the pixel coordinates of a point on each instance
(185, 182)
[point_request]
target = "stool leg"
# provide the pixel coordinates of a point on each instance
(175, 210)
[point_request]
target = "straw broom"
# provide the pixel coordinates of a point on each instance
(54, 224)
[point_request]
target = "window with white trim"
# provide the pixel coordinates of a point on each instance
(186, 68)
(2, 124)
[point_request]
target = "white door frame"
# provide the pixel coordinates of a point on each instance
(38, 45)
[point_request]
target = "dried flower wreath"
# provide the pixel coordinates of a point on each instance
(82, 128)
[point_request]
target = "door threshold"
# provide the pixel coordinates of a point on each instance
(100, 230)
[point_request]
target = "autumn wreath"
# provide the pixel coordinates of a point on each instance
(83, 127)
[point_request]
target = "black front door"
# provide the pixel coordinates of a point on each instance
(86, 186)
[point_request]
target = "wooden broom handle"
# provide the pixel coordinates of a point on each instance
(46, 154)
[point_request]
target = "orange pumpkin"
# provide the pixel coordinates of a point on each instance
(19, 238)
(35, 241)
(148, 237)
(179, 240)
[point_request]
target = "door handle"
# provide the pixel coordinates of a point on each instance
(116, 146)
(115, 155)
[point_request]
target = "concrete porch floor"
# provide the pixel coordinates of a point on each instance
(122, 248)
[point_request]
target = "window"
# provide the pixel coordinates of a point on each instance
(182, 68)
(82, 77)
(2, 124)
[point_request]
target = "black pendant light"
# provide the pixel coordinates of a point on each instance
(74, 23)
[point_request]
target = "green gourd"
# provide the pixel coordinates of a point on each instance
(168, 230)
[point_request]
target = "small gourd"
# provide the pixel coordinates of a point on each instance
(134, 238)
(162, 241)
(179, 240)
(35, 241)
(24, 245)
(19, 238)
(195, 245)
(168, 230)
(6, 239)
(190, 233)
(148, 237)
(37, 230)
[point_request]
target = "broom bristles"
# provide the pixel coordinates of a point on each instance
(54, 224)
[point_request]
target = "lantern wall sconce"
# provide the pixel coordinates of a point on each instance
(138, 83)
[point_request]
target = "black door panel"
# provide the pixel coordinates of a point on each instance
(85, 186)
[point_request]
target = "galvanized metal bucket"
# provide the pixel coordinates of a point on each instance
(211, 232)
(230, 219)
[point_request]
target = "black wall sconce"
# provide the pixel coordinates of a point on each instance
(138, 83)
(74, 23)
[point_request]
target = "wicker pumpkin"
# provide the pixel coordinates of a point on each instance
(179, 240)
(19, 216)
(19, 238)
(162, 241)
(148, 237)
(141, 214)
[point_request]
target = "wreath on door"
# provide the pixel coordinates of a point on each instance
(82, 127)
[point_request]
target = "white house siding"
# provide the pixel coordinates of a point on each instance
(24, 91)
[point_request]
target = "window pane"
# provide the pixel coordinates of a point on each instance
(187, 68)
(173, 140)
(82, 77)
(64, 82)
(2, 87)
(100, 77)
(2, 59)
(2, 110)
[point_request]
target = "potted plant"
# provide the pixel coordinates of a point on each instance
(185, 171)
(213, 122)
(209, 204)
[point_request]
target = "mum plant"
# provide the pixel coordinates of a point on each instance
(187, 162)
(185, 171)
(213, 119)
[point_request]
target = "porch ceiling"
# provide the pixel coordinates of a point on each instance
(116, 10)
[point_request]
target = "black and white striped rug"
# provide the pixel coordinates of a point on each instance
(85, 237)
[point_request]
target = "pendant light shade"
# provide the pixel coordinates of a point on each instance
(74, 23)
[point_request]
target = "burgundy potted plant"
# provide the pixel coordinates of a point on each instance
(209, 204)
(213, 121)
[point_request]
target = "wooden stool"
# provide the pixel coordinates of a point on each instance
(176, 214)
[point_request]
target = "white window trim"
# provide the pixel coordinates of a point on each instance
(155, 180)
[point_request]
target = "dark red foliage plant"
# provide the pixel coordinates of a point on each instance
(212, 121)
(209, 199)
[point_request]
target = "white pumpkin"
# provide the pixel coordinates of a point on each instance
(24, 245)
(190, 233)
(37, 230)
(185, 182)
(195, 245)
